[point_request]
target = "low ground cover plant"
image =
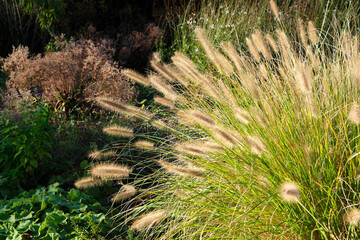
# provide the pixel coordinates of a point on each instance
(53, 213)
(264, 143)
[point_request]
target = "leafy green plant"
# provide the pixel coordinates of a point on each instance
(53, 213)
(46, 11)
(25, 143)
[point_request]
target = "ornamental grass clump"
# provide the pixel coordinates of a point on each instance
(264, 144)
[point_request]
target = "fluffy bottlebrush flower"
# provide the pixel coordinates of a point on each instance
(354, 114)
(164, 101)
(119, 131)
(159, 67)
(275, 10)
(312, 33)
(256, 145)
(302, 32)
(272, 43)
(160, 85)
(148, 220)
(143, 144)
(357, 72)
(214, 55)
(242, 115)
(254, 53)
(110, 171)
(125, 192)
(87, 182)
(191, 148)
(121, 107)
(98, 155)
(352, 217)
(189, 171)
(225, 137)
(137, 77)
(260, 44)
(290, 192)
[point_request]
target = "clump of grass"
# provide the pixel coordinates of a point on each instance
(266, 149)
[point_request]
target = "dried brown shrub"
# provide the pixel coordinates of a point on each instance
(134, 49)
(81, 70)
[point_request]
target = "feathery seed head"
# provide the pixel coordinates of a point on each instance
(137, 77)
(354, 114)
(200, 118)
(275, 10)
(303, 77)
(188, 171)
(256, 145)
(158, 66)
(110, 171)
(214, 55)
(312, 33)
(302, 32)
(254, 53)
(125, 192)
(163, 87)
(164, 101)
(123, 108)
(263, 181)
(98, 155)
(192, 148)
(272, 43)
(242, 115)
(143, 144)
(260, 44)
(290, 192)
(87, 182)
(225, 137)
(119, 131)
(352, 217)
(356, 72)
(94, 154)
(148, 220)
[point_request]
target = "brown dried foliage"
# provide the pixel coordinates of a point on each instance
(81, 70)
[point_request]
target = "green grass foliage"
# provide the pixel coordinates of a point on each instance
(264, 142)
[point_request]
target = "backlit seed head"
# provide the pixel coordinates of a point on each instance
(119, 131)
(148, 220)
(290, 192)
(124, 193)
(275, 10)
(354, 114)
(352, 217)
(110, 171)
(143, 144)
(87, 182)
(312, 33)
(137, 77)
(188, 171)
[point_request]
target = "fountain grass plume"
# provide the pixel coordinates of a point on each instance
(125, 192)
(144, 144)
(188, 171)
(148, 220)
(102, 155)
(87, 182)
(110, 171)
(119, 131)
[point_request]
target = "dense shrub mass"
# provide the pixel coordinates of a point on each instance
(79, 71)
(53, 213)
(265, 141)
